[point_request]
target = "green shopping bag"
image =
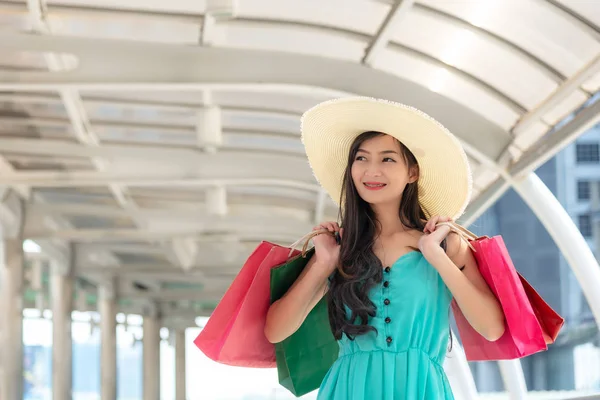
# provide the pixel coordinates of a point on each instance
(304, 358)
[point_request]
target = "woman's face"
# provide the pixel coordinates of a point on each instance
(379, 171)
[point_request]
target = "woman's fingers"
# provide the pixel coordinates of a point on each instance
(332, 227)
(433, 221)
(430, 226)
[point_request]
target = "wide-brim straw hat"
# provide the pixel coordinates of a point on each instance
(330, 128)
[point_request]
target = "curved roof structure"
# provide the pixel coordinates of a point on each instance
(156, 143)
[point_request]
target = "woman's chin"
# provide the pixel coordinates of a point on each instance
(376, 199)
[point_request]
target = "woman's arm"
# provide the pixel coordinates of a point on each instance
(459, 270)
(287, 314)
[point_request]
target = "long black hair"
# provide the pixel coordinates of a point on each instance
(359, 269)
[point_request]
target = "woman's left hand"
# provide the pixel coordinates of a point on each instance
(429, 243)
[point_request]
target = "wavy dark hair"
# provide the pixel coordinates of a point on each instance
(359, 269)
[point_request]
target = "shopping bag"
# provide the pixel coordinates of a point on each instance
(304, 358)
(531, 324)
(234, 334)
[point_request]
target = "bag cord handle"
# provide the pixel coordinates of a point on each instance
(462, 232)
(306, 240)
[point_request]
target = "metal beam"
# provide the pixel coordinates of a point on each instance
(246, 214)
(177, 295)
(557, 140)
(47, 98)
(129, 248)
(12, 214)
(249, 233)
(192, 68)
(64, 148)
(178, 210)
(200, 170)
(177, 275)
(530, 161)
(399, 10)
(86, 10)
(7, 170)
(185, 251)
(93, 179)
(129, 269)
(562, 92)
(583, 23)
(514, 379)
(484, 201)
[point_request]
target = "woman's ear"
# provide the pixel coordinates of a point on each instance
(413, 174)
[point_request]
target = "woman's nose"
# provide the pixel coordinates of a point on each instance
(373, 171)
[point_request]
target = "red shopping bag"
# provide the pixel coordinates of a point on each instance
(531, 324)
(234, 334)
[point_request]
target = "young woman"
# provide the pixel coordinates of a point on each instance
(397, 174)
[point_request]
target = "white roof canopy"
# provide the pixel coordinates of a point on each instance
(162, 138)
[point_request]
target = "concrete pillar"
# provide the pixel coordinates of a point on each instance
(151, 356)
(62, 341)
(11, 314)
(180, 391)
(108, 342)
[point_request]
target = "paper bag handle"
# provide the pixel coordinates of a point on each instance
(306, 240)
(462, 232)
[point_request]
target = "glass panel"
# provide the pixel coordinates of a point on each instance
(360, 16)
(288, 37)
(588, 9)
(588, 152)
(583, 190)
(585, 225)
(262, 122)
(495, 64)
(535, 26)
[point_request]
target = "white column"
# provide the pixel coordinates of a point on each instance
(151, 357)
(514, 380)
(567, 237)
(62, 341)
(459, 373)
(108, 342)
(180, 391)
(11, 314)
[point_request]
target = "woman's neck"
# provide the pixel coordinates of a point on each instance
(389, 220)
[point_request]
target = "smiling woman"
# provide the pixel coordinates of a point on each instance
(389, 282)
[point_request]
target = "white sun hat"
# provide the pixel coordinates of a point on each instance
(330, 128)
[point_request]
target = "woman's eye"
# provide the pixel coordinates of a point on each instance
(388, 159)
(360, 158)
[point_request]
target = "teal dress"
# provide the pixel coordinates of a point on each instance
(404, 360)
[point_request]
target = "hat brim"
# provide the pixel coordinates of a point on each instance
(330, 128)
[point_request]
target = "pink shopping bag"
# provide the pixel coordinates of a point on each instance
(531, 324)
(234, 334)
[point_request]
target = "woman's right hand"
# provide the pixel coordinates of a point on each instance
(327, 251)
